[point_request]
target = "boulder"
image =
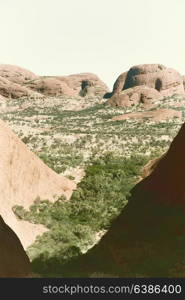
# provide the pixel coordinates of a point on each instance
(24, 178)
(16, 74)
(14, 261)
(136, 95)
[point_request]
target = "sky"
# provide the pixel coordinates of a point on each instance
(105, 37)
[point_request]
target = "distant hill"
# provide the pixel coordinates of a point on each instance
(16, 82)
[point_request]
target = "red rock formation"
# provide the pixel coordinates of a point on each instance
(119, 83)
(16, 74)
(75, 82)
(165, 80)
(9, 89)
(71, 85)
(50, 86)
(150, 166)
(17, 82)
(13, 259)
(136, 95)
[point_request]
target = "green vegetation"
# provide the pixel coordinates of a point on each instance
(68, 133)
(99, 198)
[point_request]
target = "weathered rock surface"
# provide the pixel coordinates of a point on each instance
(78, 82)
(148, 238)
(84, 84)
(165, 80)
(150, 167)
(50, 86)
(13, 259)
(119, 83)
(16, 74)
(88, 89)
(136, 95)
(154, 115)
(23, 179)
(9, 89)
(18, 82)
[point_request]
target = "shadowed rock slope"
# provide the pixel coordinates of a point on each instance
(148, 238)
(23, 179)
(13, 259)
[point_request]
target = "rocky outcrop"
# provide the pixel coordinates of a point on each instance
(16, 74)
(148, 238)
(150, 166)
(23, 179)
(16, 82)
(81, 81)
(165, 81)
(13, 259)
(88, 89)
(133, 96)
(49, 86)
(9, 89)
(119, 83)
(85, 84)
(154, 115)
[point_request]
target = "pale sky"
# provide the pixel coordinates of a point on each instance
(105, 37)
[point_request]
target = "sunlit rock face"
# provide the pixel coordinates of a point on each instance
(137, 95)
(165, 80)
(158, 81)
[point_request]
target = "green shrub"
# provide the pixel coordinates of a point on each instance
(99, 198)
